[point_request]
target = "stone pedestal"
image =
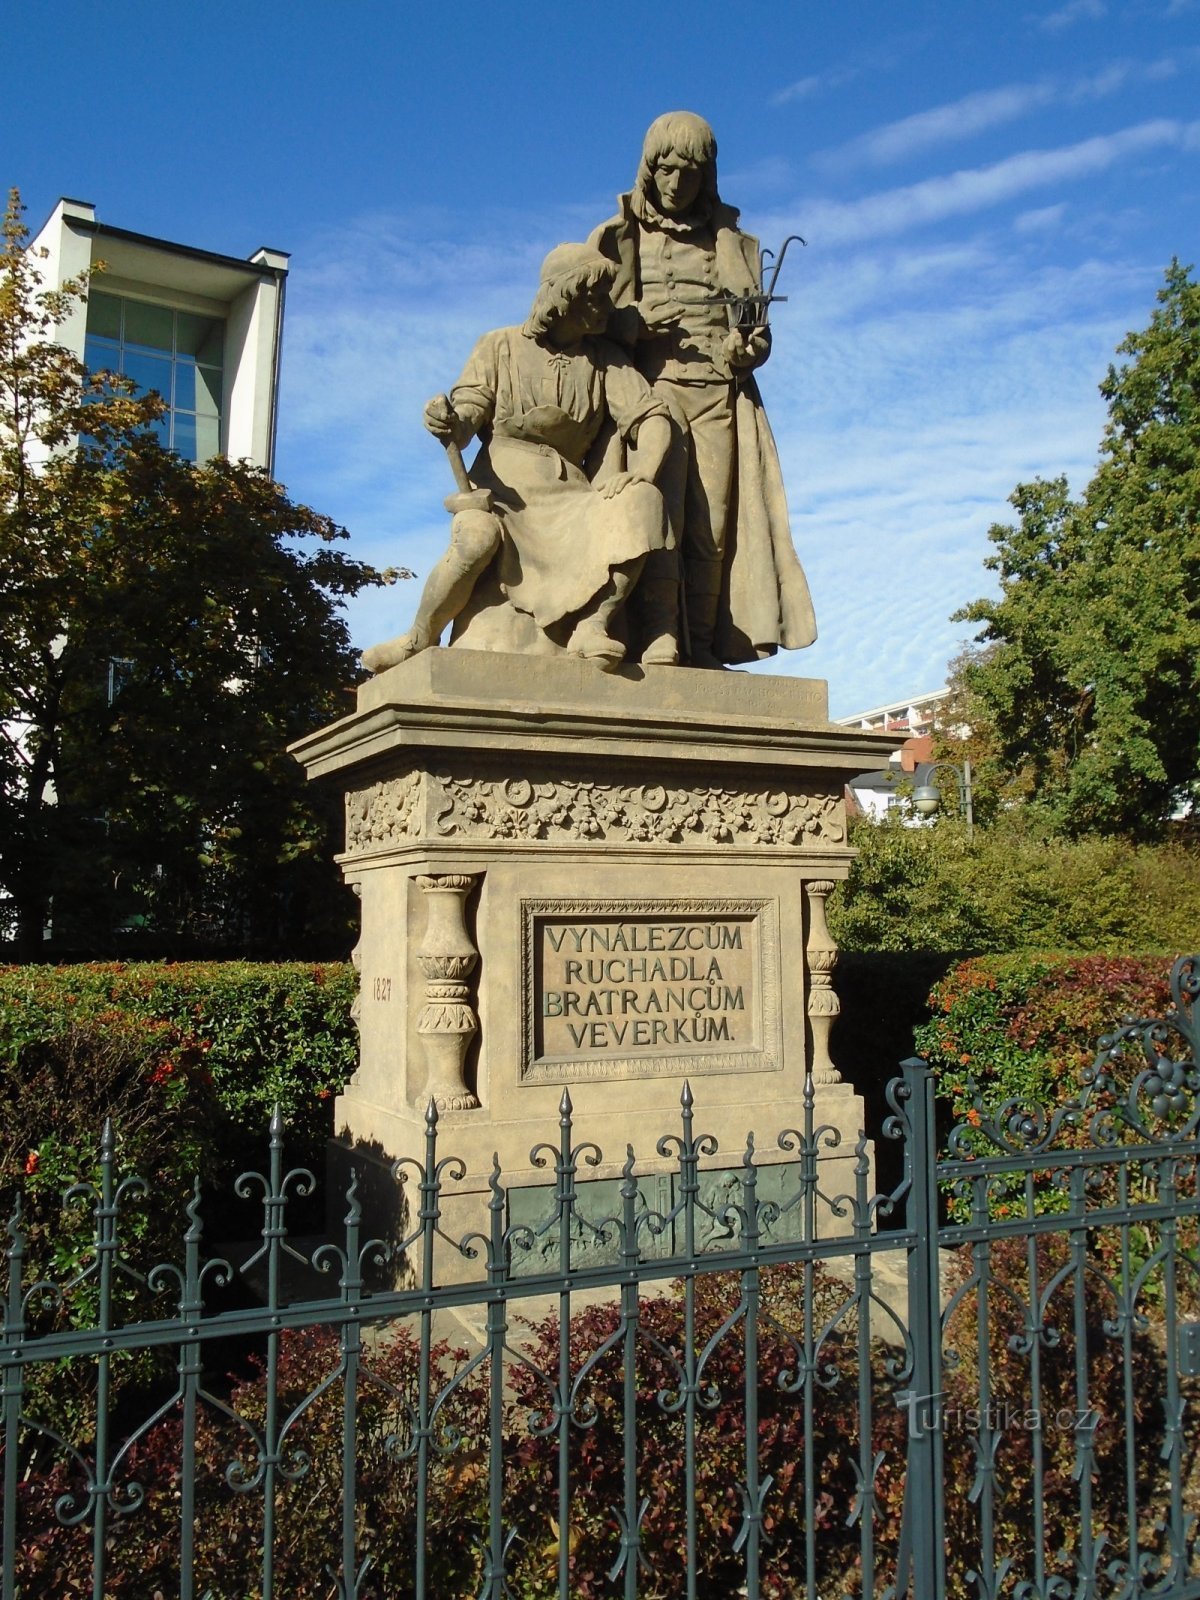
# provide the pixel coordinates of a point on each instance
(604, 883)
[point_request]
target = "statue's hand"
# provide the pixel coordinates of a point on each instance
(747, 350)
(660, 316)
(442, 420)
(619, 480)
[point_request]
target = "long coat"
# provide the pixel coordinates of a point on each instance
(765, 600)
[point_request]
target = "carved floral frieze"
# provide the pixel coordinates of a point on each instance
(385, 814)
(570, 809)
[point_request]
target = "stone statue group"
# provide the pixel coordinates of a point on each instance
(626, 502)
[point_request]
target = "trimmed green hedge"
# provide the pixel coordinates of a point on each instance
(1009, 888)
(186, 1061)
(270, 1034)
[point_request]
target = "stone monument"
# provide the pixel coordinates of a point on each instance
(587, 858)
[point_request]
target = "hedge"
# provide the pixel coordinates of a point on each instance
(270, 1034)
(186, 1063)
(1009, 888)
(1027, 1025)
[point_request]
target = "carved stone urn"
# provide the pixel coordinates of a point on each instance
(447, 1021)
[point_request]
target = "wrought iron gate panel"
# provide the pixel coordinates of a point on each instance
(1073, 1232)
(691, 1388)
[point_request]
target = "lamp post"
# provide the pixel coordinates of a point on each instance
(927, 798)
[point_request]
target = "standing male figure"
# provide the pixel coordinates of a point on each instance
(677, 248)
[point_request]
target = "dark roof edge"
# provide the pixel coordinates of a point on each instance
(105, 230)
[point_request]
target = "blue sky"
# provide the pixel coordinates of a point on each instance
(990, 193)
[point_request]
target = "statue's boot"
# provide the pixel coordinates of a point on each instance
(656, 604)
(662, 646)
(591, 638)
(474, 540)
(703, 600)
(382, 656)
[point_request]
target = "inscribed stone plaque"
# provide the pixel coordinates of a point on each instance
(633, 988)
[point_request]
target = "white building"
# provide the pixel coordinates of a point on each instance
(913, 721)
(907, 717)
(202, 329)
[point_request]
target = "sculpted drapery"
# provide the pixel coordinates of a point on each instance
(675, 244)
(541, 410)
(624, 452)
(541, 557)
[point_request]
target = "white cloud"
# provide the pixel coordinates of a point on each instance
(1074, 11)
(974, 189)
(769, 175)
(815, 83)
(1115, 77)
(987, 108)
(945, 124)
(1042, 220)
(802, 89)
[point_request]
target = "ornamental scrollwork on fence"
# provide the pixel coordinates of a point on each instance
(754, 1326)
(1162, 1100)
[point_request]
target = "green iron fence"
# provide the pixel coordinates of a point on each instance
(725, 1380)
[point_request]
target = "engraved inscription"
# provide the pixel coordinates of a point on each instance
(641, 985)
(643, 990)
(382, 988)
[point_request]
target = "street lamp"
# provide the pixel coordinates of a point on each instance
(927, 797)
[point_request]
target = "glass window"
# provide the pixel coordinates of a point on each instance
(202, 337)
(179, 354)
(209, 382)
(103, 315)
(183, 435)
(208, 438)
(149, 372)
(149, 325)
(102, 355)
(185, 386)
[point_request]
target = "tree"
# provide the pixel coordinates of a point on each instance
(1084, 695)
(162, 639)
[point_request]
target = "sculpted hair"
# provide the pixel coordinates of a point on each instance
(678, 133)
(554, 296)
